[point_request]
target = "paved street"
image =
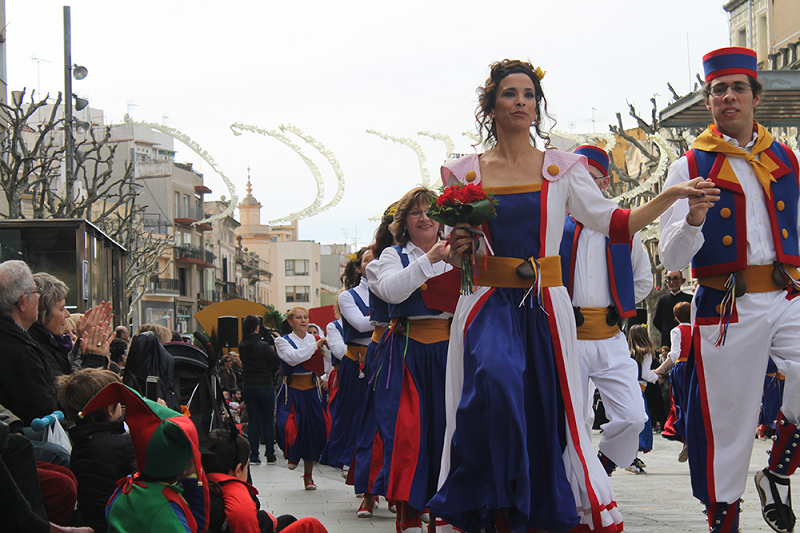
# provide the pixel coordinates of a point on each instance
(658, 501)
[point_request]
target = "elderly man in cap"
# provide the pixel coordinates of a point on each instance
(743, 248)
(605, 281)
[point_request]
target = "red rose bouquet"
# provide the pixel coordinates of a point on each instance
(464, 203)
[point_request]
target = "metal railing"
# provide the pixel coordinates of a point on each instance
(165, 285)
(187, 251)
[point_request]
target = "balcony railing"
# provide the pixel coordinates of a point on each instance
(230, 288)
(156, 223)
(171, 287)
(193, 254)
(191, 213)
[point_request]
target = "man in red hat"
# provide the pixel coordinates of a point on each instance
(743, 248)
(605, 281)
(169, 493)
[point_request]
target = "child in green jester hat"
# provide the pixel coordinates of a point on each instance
(169, 492)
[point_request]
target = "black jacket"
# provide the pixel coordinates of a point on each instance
(54, 353)
(664, 318)
(259, 362)
(146, 357)
(27, 387)
(102, 453)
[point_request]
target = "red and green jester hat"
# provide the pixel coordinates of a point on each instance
(165, 444)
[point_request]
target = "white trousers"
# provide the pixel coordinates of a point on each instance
(731, 380)
(609, 365)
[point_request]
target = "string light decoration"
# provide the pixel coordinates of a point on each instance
(204, 155)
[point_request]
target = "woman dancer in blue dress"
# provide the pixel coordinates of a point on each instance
(369, 445)
(346, 405)
(409, 393)
(515, 452)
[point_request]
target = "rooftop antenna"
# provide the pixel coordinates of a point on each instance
(39, 62)
(593, 110)
(164, 118)
(130, 105)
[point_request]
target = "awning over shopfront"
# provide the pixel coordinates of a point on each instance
(779, 106)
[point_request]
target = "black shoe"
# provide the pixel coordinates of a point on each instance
(778, 515)
(255, 461)
(272, 460)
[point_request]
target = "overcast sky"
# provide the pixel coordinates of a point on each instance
(336, 69)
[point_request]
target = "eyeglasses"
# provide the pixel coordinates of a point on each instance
(599, 177)
(34, 291)
(675, 278)
(417, 214)
(721, 88)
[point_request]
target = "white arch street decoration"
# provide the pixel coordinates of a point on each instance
(316, 206)
(204, 155)
(666, 156)
(414, 145)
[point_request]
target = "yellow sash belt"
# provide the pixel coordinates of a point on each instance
(594, 326)
(426, 330)
(502, 272)
(758, 278)
(377, 333)
(353, 352)
(301, 381)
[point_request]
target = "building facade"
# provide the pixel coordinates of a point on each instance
(770, 27)
(295, 264)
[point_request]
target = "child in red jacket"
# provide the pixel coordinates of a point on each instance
(234, 505)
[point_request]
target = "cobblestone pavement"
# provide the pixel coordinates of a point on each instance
(658, 501)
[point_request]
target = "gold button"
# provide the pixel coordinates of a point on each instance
(553, 170)
(423, 287)
(727, 240)
(780, 205)
(719, 309)
(784, 233)
(725, 212)
(470, 175)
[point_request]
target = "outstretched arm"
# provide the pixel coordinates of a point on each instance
(701, 194)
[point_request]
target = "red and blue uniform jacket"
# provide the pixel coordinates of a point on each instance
(618, 260)
(725, 229)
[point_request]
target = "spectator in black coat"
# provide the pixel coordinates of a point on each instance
(26, 383)
(664, 318)
(102, 452)
(260, 362)
(50, 330)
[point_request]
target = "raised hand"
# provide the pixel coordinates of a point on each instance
(93, 317)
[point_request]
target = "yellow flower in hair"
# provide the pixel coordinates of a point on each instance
(390, 212)
(539, 73)
(352, 257)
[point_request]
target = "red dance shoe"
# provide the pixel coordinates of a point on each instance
(364, 510)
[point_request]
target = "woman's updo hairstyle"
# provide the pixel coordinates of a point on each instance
(350, 277)
(487, 99)
(384, 237)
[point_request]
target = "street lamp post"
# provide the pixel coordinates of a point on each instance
(79, 73)
(70, 141)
